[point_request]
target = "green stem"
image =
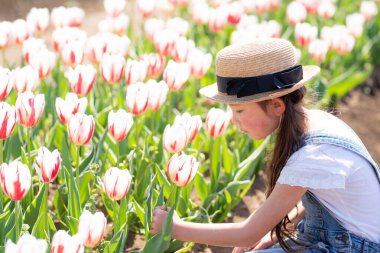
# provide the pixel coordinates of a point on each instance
(28, 148)
(47, 209)
(115, 214)
(17, 210)
(172, 194)
(1, 162)
(117, 152)
(77, 170)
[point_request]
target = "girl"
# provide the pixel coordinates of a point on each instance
(319, 167)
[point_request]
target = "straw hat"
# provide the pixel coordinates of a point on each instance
(256, 71)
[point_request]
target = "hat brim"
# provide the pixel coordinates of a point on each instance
(211, 91)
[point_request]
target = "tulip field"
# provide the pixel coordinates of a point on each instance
(97, 130)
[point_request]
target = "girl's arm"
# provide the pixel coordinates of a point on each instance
(244, 234)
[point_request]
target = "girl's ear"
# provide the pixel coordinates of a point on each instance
(277, 106)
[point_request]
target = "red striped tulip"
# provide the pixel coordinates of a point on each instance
(114, 7)
(164, 41)
(199, 63)
(70, 16)
(91, 228)
(135, 71)
(81, 79)
(318, 49)
(64, 243)
(176, 75)
(137, 98)
(112, 67)
(70, 106)
(181, 49)
(6, 82)
(25, 79)
(355, 23)
(274, 4)
(117, 25)
(43, 61)
(175, 138)
(368, 9)
(119, 124)
(217, 19)
(200, 13)
(20, 31)
(29, 108)
(116, 183)
(296, 13)
(26, 244)
(326, 9)
(72, 53)
(305, 33)
(96, 46)
(157, 94)
(156, 64)
(5, 34)
(116, 44)
(38, 19)
(217, 122)
(47, 164)
(182, 169)
(235, 11)
(146, 7)
(62, 36)
(178, 25)
(15, 180)
(192, 124)
(261, 6)
(8, 120)
(32, 45)
(151, 26)
(310, 5)
(81, 128)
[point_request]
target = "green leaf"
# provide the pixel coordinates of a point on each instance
(72, 223)
(86, 180)
(73, 195)
(39, 229)
(139, 211)
(37, 206)
(215, 163)
(201, 186)
(117, 243)
(3, 219)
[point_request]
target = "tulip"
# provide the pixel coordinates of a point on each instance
(116, 44)
(326, 9)
(164, 41)
(25, 79)
(81, 79)
(47, 164)
(5, 82)
(192, 124)
(310, 5)
(274, 4)
(137, 98)
(296, 13)
(157, 94)
(72, 53)
(38, 19)
(62, 36)
(217, 122)
(156, 64)
(32, 45)
(318, 49)
(117, 183)
(179, 25)
(368, 9)
(81, 128)
(70, 106)
(199, 63)
(181, 49)
(26, 244)
(43, 61)
(305, 33)
(235, 11)
(96, 46)
(182, 3)
(20, 31)
(182, 169)
(135, 71)
(355, 23)
(165, 7)
(151, 26)
(67, 17)
(261, 6)
(112, 67)
(64, 243)
(200, 13)
(29, 108)
(119, 124)
(15, 180)
(175, 138)
(217, 19)
(146, 7)
(176, 75)
(5, 34)
(91, 228)
(114, 7)
(117, 25)
(8, 120)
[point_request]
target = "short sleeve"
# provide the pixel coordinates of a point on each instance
(316, 167)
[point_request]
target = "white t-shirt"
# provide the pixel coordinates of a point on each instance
(342, 180)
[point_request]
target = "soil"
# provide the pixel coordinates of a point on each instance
(359, 109)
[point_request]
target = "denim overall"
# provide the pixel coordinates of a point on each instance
(320, 230)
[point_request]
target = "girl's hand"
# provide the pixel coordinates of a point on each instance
(159, 216)
(264, 243)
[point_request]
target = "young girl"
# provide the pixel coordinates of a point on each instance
(319, 167)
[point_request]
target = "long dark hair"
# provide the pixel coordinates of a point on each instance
(291, 129)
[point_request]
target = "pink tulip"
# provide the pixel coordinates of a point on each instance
(182, 3)
(274, 4)
(164, 41)
(137, 98)
(179, 25)
(114, 7)
(112, 67)
(153, 25)
(318, 49)
(355, 23)
(72, 53)
(119, 124)
(64, 35)
(32, 45)
(5, 34)
(181, 49)
(81, 128)
(8, 120)
(20, 31)
(29, 108)
(135, 71)
(70, 106)
(175, 138)
(67, 17)
(217, 19)
(91, 228)
(176, 75)
(156, 64)
(15, 180)
(368, 9)
(235, 11)
(117, 25)
(165, 7)
(339, 39)
(25, 79)
(310, 5)
(199, 63)
(261, 6)
(192, 124)
(157, 94)
(96, 46)
(200, 13)
(296, 13)
(47, 164)
(217, 122)
(146, 7)
(81, 79)
(182, 169)
(5, 82)
(326, 9)
(26, 244)
(38, 19)
(305, 33)
(43, 61)
(64, 243)
(116, 183)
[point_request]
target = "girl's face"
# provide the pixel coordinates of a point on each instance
(254, 121)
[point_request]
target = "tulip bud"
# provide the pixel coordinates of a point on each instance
(157, 94)
(217, 122)
(116, 44)
(182, 169)
(38, 19)
(310, 5)
(114, 7)
(81, 79)
(67, 17)
(29, 108)
(5, 34)
(191, 123)
(164, 41)
(32, 45)
(119, 124)
(326, 9)
(117, 183)
(43, 61)
(5, 82)
(318, 49)
(305, 33)
(81, 128)
(15, 180)
(47, 164)
(26, 244)
(235, 11)
(156, 64)
(296, 13)
(135, 71)
(151, 26)
(181, 49)
(112, 67)
(368, 9)
(261, 6)
(217, 19)
(8, 120)
(25, 79)
(146, 7)
(179, 25)
(200, 13)
(20, 31)
(72, 53)
(64, 243)
(96, 46)
(91, 228)
(355, 23)
(199, 63)
(117, 25)
(175, 138)
(176, 75)
(137, 98)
